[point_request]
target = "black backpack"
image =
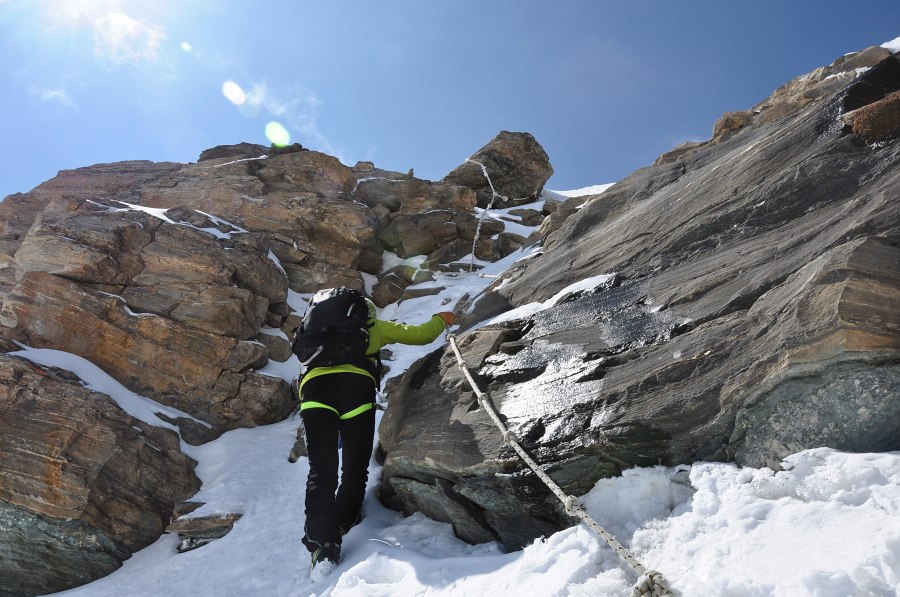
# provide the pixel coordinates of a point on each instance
(334, 331)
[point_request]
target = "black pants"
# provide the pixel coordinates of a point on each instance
(331, 510)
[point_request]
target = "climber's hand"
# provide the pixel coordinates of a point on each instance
(448, 317)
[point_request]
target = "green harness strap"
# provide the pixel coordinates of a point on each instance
(348, 415)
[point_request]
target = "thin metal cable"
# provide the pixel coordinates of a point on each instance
(651, 583)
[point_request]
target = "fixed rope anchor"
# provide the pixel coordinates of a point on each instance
(650, 582)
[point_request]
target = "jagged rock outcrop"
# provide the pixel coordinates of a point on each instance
(102, 181)
(512, 165)
(749, 309)
(201, 261)
(795, 95)
(164, 308)
(82, 484)
(300, 200)
(174, 279)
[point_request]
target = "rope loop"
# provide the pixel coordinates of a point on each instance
(650, 584)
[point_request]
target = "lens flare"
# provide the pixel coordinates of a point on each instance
(186, 47)
(233, 93)
(277, 134)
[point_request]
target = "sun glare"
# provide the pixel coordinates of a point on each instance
(277, 134)
(234, 93)
(118, 36)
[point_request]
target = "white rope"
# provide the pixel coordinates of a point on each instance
(651, 583)
(494, 196)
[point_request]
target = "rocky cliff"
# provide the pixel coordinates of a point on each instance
(177, 281)
(737, 300)
(745, 305)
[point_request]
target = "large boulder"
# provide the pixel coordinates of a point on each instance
(82, 483)
(92, 183)
(221, 286)
(301, 200)
(169, 310)
(206, 375)
(747, 309)
(512, 167)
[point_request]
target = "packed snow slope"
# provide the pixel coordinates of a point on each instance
(828, 524)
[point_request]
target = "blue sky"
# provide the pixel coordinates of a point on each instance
(604, 86)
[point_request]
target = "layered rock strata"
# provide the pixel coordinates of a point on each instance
(745, 307)
(82, 485)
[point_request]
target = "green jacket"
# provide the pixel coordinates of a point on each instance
(380, 334)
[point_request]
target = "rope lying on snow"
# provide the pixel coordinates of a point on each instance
(651, 583)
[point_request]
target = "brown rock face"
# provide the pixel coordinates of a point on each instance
(517, 166)
(423, 218)
(729, 124)
(414, 195)
(160, 274)
(300, 199)
(420, 234)
(206, 375)
(879, 121)
(221, 286)
(102, 181)
(79, 477)
(817, 85)
(163, 307)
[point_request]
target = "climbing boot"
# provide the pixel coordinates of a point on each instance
(325, 559)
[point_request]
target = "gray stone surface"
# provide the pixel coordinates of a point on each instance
(43, 555)
(751, 310)
(842, 406)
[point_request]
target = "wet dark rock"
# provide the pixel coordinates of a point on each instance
(753, 313)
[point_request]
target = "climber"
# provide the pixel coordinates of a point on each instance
(337, 404)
